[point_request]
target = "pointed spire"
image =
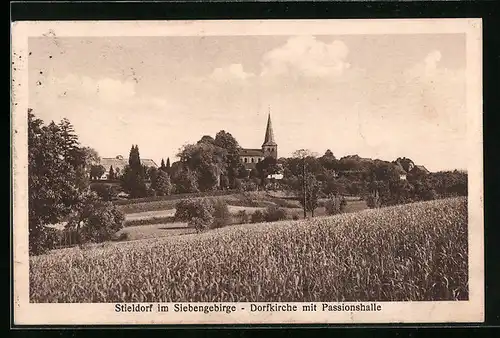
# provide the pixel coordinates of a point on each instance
(269, 137)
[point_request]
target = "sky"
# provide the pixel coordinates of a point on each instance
(378, 96)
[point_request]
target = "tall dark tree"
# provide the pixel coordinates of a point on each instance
(152, 173)
(168, 163)
(162, 165)
(133, 178)
(111, 174)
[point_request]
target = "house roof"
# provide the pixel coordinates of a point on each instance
(251, 152)
(421, 168)
(107, 162)
(149, 163)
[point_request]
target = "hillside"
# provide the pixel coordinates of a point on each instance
(410, 252)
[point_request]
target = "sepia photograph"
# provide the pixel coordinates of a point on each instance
(286, 171)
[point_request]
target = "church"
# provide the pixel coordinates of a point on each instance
(250, 157)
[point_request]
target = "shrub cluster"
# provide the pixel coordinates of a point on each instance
(107, 192)
(335, 205)
(203, 213)
(270, 214)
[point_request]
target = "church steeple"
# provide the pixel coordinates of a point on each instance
(269, 137)
(269, 147)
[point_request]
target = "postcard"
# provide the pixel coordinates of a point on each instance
(247, 172)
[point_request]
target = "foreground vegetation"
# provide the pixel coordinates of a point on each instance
(410, 252)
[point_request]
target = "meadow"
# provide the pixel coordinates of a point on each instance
(408, 252)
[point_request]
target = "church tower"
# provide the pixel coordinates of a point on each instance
(269, 147)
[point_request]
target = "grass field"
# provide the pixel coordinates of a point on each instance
(409, 252)
(248, 199)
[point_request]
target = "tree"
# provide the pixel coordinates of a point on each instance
(105, 191)
(55, 168)
(152, 172)
(203, 213)
(206, 161)
(133, 178)
(302, 155)
(335, 205)
(162, 165)
(95, 220)
(162, 185)
(373, 200)
(207, 139)
(311, 195)
(111, 174)
(186, 181)
(226, 141)
(168, 164)
(242, 171)
(328, 161)
(117, 173)
(96, 171)
(266, 167)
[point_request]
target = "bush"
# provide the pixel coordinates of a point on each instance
(238, 184)
(258, 217)
(242, 216)
(221, 214)
(203, 213)
(373, 201)
(250, 186)
(273, 214)
(95, 220)
(150, 192)
(105, 191)
(124, 236)
(47, 239)
(295, 217)
(335, 205)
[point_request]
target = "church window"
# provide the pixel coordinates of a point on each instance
(252, 160)
(246, 160)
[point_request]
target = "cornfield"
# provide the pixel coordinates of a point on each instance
(411, 252)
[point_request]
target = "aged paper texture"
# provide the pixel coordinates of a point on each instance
(255, 171)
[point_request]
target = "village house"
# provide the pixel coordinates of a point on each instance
(118, 163)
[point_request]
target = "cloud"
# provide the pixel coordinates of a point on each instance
(105, 99)
(103, 89)
(436, 94)
(308, 57)
(232, 72)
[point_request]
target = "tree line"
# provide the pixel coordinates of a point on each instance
(59, 188)
(213, 163)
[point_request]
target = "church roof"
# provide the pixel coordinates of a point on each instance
(269, 137)
(251, 152)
